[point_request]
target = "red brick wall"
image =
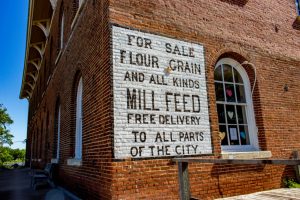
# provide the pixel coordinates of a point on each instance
(253, 31)
(86, 50)
(257, 31)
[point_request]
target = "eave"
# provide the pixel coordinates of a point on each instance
(38, 29)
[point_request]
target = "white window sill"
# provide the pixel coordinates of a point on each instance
(54, 160)
(74, 162)
(246, 155)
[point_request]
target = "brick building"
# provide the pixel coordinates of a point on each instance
(116, 88)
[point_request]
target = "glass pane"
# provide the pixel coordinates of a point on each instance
(244, 135)
(219, 92)
(222, 129)
(240, 93)
(231, 115)
(230, 96)
(233, 135)
(221, 113)
(228, 73)
(241, 114)
(237, 76)
(218, 73)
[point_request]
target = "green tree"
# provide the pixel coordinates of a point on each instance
(18, 154)
(5, 155)
(5, 120)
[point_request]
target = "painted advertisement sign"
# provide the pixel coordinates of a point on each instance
(160, 96)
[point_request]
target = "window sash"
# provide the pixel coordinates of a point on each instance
(225, 103)
(78, 132)
(62, 31)
(298, 7)
(248, 106)
(58, 134)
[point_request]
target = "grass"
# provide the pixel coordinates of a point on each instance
(291, 183)
(9, 165)
(294, 185)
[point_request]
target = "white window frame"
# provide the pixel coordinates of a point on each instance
(55, 160)
(58, 134)
(61, 37)
(252, 128)
(78, 132)
(62, 22)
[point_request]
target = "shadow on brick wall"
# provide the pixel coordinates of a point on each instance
(240, 3)
(290, 172)
(230, 171)
(296, 25)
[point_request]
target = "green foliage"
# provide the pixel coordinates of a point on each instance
(291, 183)
(18, 154)
(5, 121)
(8, 155)
(5, 155)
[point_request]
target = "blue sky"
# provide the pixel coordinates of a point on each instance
(13, 28)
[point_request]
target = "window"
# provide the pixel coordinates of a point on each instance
(234, 107)
(61, 28)
(298, 7)
(40, 139)
(78, 126)
(34, 141)
(31, 147)
(36, 138)
(47, 142)
(60, 37)
(56, 131)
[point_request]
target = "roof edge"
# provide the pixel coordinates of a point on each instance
(28, 35)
